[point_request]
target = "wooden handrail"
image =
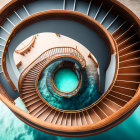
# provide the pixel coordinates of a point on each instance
(54, 52)
(56, 14)
(109, 119)
(19, 64)
(93, 59)
(26, 48)
(100, 126)
(66, 94)
(36, 76)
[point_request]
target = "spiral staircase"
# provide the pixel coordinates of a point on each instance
(115, 105)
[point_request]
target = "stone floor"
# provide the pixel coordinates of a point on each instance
(133, 5)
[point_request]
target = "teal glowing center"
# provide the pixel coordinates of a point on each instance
(65, 80)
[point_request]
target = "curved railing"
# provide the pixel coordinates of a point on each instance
(53, 53)
(61, 14)
(25, 49)
(67, 94)
(95, 128)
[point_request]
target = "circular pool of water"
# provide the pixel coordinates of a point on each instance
(65, 80)
(88, 91)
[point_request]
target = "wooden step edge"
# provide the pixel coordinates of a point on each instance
(120, 93)
(127, 40)
(32, 103)
(31, 99)
(125, 32)
(132, 45)
(119, 28)
(125, 88)
(29, 96)
(130, 53)
(131, 59)
(37, 108)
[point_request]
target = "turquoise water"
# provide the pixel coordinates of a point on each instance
(76, 102)
(11, 128)
(65, 80)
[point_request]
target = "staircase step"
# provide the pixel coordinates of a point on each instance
(73, 118)
(131, 47)
(118, 101)
(95, 118)
(68, 121)
(129, 69)
(50, 117)
(55, 117)
(130, 62)
(88, 117)
(83, 119)
(28, 87)
(100, 112)
(64, 119)
(45, 114)
(28, 80)
(32, 102)
(36, 108)
(130, 31)
(127, 84)
(130, 53)
(127, 42)
(30, 98)
(128, 91)
(31, 76)
(27, 92)
(33, 106)
(105, 108)
(123, 27)
(128, 77)
(28, 95)
(111, 104)
(28, 83)
(38, 114)
(120, 95)
(59, 120)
